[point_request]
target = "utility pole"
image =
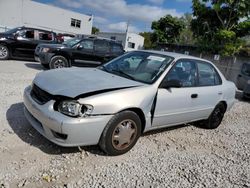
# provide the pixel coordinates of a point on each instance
(128, 22)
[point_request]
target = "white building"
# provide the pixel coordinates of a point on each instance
(130, 41)
(16, 13)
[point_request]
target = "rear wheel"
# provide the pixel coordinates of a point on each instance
(215, 117)
(58, 62)
(121, 133)
(4, 52)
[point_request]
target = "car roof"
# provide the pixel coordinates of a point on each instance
(99, 38)
(173, 54)
(24, 27)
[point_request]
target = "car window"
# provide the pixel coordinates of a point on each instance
(101, 46)
(245, 69)
(72, 42)
(27, 33)
(116, 48)
(87, 44)
(185, 72)
(207, 74)
(46, 36)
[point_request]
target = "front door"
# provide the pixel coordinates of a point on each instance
(25, 44)
(175, 105)
(83, 54)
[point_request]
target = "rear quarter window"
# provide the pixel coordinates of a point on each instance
(116, 48)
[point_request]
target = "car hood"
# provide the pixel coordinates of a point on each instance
(73, 82)
(4, 35)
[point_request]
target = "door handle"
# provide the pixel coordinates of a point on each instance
(239, 75)
(220, 93)
(194, 96)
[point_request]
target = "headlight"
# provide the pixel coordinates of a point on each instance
(74, 109)
(45, 49)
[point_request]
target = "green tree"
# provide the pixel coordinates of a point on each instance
(167, 29)
(148, 44)
(186, 35)
(218, 24)
(95, 30)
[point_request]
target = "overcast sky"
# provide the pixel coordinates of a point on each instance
(113, 15)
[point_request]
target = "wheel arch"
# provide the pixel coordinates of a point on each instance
(7, 45)
(63, 55)
(224, 104)
(140, 114)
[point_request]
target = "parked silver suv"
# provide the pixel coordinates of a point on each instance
(243, 80)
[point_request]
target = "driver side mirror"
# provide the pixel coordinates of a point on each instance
(171, 83)
(79, 47)
(15, 36)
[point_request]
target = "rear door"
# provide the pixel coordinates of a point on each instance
(116, 50)
(102, 50)
(210, 90)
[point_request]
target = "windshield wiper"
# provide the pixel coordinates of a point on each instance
(124, 74)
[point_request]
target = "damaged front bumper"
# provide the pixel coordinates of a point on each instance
(61, 129)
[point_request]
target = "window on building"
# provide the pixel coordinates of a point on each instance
(75, 23)
(131, 45)
(113, 38)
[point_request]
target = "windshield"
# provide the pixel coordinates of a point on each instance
(12, 30)
(71, 42)
(246, 69)
(144, 67)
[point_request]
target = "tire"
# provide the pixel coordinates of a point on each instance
(116, 142)
(45, 65)
(58, 62)
(215, 117)
(4, 52)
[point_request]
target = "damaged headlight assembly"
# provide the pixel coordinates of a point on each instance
(74, 108)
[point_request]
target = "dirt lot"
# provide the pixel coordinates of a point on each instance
(185, 156)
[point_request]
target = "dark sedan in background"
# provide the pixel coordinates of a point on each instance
(20, 42)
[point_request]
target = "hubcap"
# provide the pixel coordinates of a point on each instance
(59, 64)
(124, 134)
(3, 52)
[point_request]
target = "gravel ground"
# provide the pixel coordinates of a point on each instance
(185, 156)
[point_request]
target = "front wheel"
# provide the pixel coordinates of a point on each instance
(4, 52)
(121, 133)
(215, 117)
(58, 62)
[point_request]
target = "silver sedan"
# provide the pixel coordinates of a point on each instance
(112, 105)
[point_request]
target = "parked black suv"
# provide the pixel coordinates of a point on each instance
(91, 51)
(21, 42)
